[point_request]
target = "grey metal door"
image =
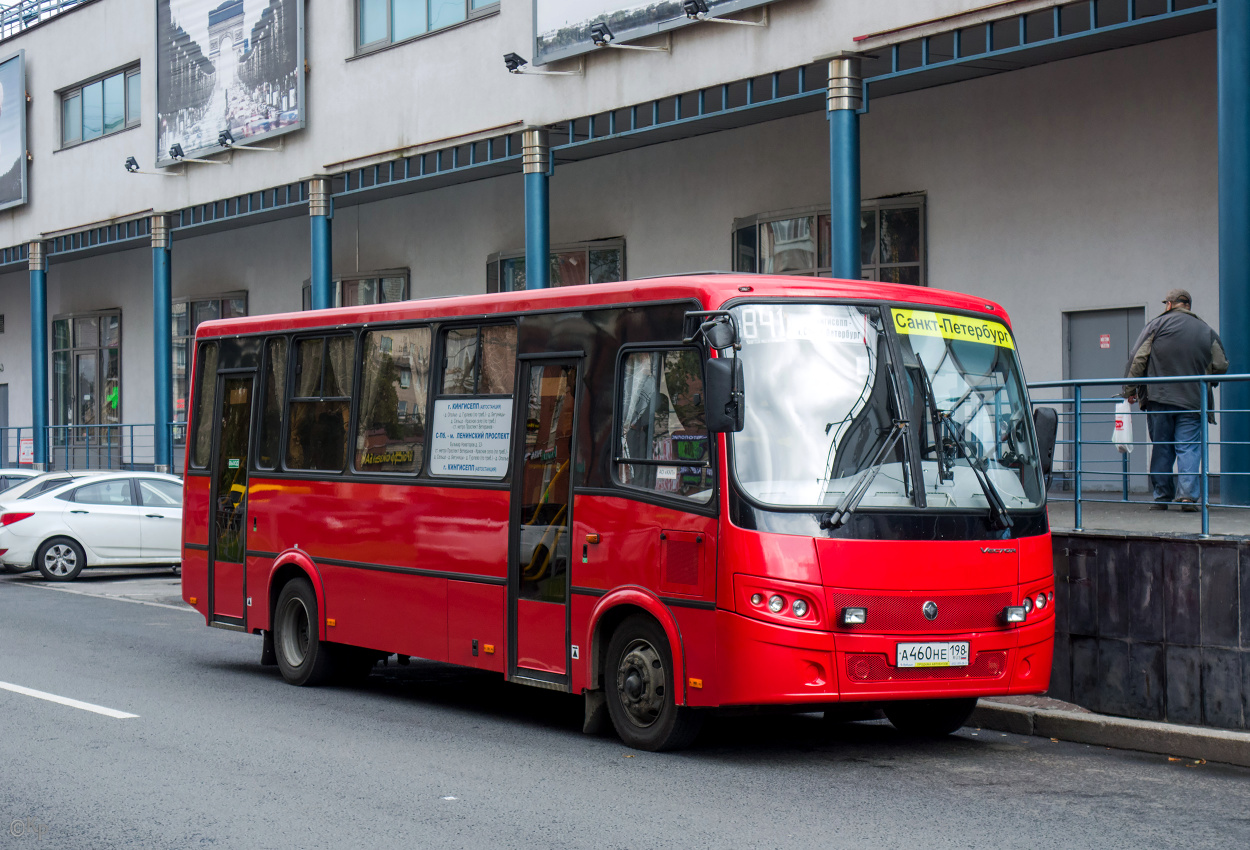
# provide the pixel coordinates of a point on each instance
(1098, 347)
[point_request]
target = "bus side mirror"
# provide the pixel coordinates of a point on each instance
(722, 386)
(1046, 424)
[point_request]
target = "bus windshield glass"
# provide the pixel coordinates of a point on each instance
(821, 407)
(964, 385)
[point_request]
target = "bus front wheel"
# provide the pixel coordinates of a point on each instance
(930, 718)
(642, 700)
(302, 656)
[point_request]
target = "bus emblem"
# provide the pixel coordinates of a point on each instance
(930, 610)
(991, 551)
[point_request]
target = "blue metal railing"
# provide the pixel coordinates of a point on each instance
(92, 446)
(1073, 466)
(26, 14)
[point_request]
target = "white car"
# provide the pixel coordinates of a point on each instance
(13, 477)
(110, 519)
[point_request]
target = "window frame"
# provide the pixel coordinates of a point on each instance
(306, 288)
(876, 205)
(325, 335)
(129, 121)
(495, 261)
(358, 398)
(686, 503)
(387, 42)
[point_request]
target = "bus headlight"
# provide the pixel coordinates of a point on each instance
(854, 616)
(1014, 614)
(776, 604)
(1041, 601)
(1028, 605)
(799, 608)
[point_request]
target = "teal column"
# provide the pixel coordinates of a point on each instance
(162, 346)
(844, 99)
(38, 265)
(1234, 138)
(320, 211)
(536, 164)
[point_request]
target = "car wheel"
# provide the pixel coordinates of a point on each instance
(60, 559)
(930, 718)
(640, 693)
(302, 656)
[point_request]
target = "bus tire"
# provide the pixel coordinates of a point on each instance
(303, 658)
(60, 559)
(641, 697)
(930, 718)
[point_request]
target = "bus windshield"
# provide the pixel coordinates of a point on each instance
(823, 403)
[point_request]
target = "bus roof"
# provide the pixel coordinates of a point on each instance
(711, 290)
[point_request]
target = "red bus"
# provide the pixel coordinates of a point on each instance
(668, 495)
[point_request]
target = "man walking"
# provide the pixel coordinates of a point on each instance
(1172, 344)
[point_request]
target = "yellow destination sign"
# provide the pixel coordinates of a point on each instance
(950, 326)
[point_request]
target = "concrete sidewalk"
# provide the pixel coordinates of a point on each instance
(1052, 718)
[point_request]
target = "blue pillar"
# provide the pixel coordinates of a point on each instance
(38, 265)
(320, 211)
(536, 160)
(844, 99)
(162, 345)
(1234, 134)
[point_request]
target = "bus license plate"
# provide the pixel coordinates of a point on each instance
(947, 654)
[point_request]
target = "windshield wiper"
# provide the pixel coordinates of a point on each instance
(859, 487)
(999, 518)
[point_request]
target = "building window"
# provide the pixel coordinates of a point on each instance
(87, 370)
(377, 288)
(101, 106)
(188, 313)
(383, 22)
(602, 261)
(796, 242)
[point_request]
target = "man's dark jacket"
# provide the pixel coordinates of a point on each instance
(1175, 343)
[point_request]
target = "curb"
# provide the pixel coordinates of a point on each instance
(1119, 732)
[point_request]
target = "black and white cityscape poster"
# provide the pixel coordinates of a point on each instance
(234, 65)
(13, 130)
(562, 27)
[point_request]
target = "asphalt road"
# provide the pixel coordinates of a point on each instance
(224, 754)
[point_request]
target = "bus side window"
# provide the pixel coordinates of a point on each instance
(268, 449)
(320, 404)
(479, 360)
(205, 393)
(394, 383)
(662, 419)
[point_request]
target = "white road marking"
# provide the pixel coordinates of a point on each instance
(103, 596)
(72, 703)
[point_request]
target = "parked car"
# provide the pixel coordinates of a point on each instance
(13, 477)
(42, 482)
(99, 520)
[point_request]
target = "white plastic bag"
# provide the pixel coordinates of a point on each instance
(1122, 436)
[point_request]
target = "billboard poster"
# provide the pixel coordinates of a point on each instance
(234, 65)
(562, 27)
(13, 130)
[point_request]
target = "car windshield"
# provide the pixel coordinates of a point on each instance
(820, 406)
(971, 409)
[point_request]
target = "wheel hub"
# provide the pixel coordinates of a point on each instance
(640, 679)
(60, 560)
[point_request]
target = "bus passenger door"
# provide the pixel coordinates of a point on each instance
(227, 586)
(539, 550)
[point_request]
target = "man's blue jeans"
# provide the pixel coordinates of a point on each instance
(1175, 435)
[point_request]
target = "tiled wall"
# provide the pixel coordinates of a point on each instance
(1154, 628)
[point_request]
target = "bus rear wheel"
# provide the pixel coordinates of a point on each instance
(930, 718)
(640, 693)
(303, 658)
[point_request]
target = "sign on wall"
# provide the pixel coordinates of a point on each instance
(562, 27)
(13, 130)
(234, 65)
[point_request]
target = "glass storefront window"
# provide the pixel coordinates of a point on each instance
(86, 371)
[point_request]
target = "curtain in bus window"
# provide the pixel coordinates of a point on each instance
(460, 358)
(308, 368)
(268, 449)
(207, 380)
(338, 372)
(390, 434)
(664, 420)
(318, 435)
(498, 360)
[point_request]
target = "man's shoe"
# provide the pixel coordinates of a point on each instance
(1159, 506)
(1188, 506)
